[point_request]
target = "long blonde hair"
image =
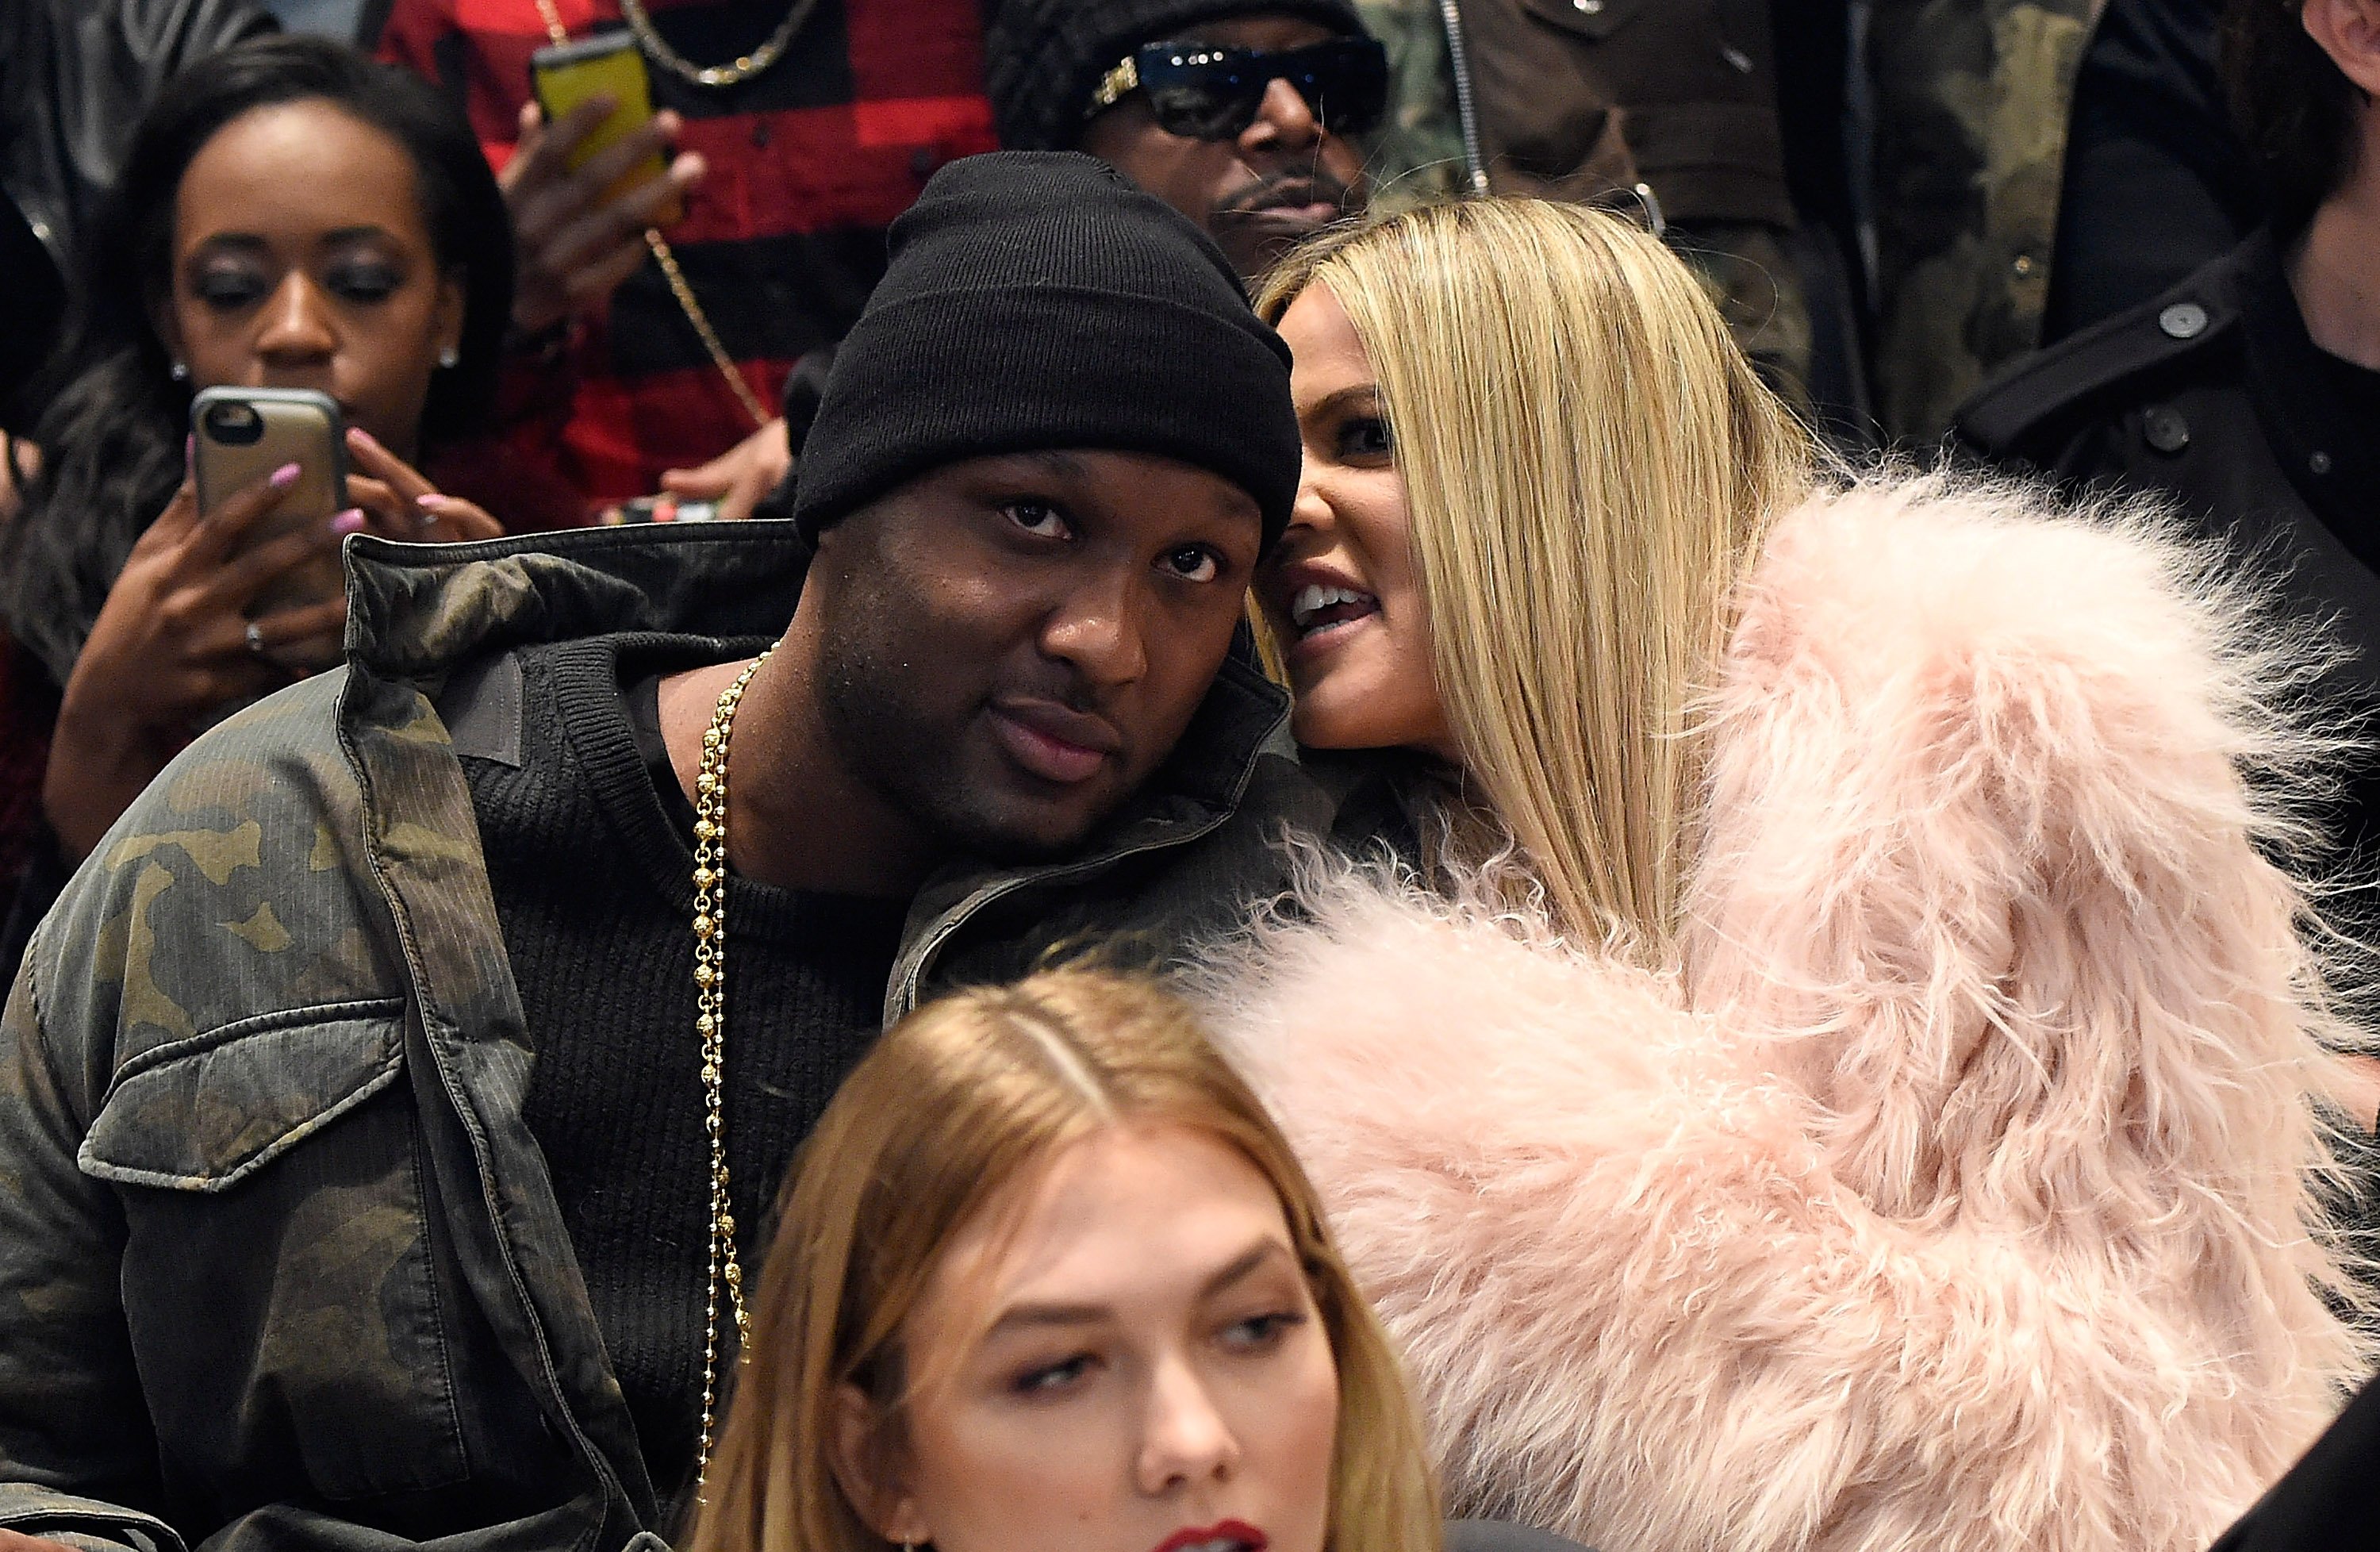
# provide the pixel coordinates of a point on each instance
(1589, 463)
(953, 1107)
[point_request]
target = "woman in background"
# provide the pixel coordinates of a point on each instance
(289, 216)
(1846, 1077)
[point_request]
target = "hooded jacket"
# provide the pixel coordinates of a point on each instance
(1951, 1189)
(280, 1261)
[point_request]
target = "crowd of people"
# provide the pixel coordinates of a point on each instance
(1496, 775)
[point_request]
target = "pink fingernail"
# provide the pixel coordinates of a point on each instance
(284, 477)
(429, 499)
(189, 452)
(348, 522)
(361, 437)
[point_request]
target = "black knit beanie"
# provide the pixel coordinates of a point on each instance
(1038, 301)
(1042, 59)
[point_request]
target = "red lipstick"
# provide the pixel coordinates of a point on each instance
(1238, 1531)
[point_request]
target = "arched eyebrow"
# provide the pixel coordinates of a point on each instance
(1034, 1317)
(250, 242)
(1366, 394)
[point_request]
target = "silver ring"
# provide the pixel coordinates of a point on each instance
(255, 638)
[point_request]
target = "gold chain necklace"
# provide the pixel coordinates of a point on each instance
(668, 261)
(745, 65)
(710, 1032)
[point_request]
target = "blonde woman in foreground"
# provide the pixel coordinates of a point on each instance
(1846, 1077)
(1049, 1279)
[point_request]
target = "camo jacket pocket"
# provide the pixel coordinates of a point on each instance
(277, 1281)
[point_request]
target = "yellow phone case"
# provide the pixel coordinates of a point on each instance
(565, 75)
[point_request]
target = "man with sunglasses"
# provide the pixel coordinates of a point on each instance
(1239, 114)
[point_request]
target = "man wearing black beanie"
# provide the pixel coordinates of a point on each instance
(390, 1104)
(1239, 114)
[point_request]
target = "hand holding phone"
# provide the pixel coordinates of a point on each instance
(587, 177)
(181, 638)
(239, 436)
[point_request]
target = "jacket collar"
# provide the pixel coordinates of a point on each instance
(417, 613)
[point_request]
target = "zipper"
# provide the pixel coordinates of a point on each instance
(1475, 166)
(438, 1028)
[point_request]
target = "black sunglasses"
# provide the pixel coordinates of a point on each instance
(1205, 91)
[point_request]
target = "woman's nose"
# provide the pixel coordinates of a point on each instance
(1312, 509)
(295, 326)
(1186, 1439)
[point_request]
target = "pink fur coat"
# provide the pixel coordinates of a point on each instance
(1950, 1196)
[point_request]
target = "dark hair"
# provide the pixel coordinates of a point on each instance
(112, 437)
(2292, 104)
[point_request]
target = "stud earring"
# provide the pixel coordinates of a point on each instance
(181, 372)
(448, 356)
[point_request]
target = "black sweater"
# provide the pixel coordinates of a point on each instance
(590, 855)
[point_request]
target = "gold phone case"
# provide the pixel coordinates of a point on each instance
(238, 437)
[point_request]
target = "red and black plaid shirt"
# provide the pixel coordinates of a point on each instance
(781, 241)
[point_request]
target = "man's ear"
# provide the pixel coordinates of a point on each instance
(2347, 31)
(870, 1468)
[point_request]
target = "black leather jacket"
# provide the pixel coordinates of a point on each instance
(75, 77)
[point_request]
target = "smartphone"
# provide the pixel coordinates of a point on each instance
(657, 509)
(564, 75)
(240, 435)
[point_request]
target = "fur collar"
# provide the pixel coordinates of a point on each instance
(1951, 1192)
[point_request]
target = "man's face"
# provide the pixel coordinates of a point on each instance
(1259, 193)
(1011, 646)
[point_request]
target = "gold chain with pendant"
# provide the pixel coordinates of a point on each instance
(710, 1032)
(653, 240)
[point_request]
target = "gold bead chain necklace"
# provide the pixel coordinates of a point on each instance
(711, 1032)
(751, 65)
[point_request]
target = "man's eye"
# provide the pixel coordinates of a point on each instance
(226, 290)
(1366, 436)
(363, 282)
(1036, 518)
(1051, 1378)
(1195, 563)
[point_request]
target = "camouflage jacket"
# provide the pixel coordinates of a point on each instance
(1972, 98)
(281, 1265)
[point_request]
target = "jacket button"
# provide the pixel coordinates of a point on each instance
(2163, 428)
(2182, 321)
(2319, 463)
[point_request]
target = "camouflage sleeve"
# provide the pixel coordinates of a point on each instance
(75, 1445)
(1415, 157)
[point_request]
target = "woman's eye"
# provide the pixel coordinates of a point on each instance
(1261, 1331)
(1036, 518)
(1195, 563)
(227, 289)
(363, 282)
(1366, 436)
(1051, 1378)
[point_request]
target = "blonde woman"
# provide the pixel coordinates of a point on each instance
(1048, 1277)
(1847, 1079)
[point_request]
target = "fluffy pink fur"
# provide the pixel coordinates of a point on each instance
(1951, 1193)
